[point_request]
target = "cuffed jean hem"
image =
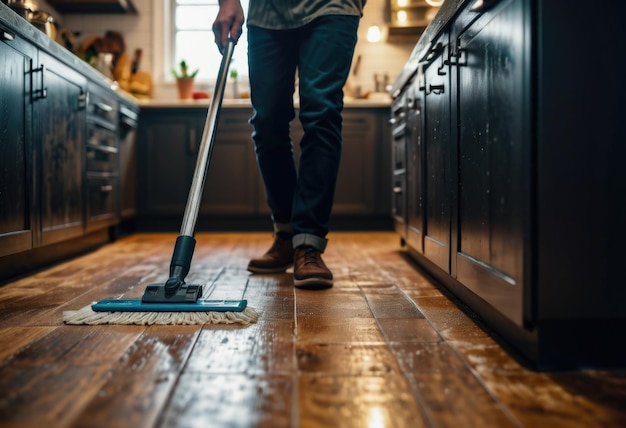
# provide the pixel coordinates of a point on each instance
(308, 239)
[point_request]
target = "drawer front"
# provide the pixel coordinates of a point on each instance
(101, 201)
(101, 150)
(102, 109)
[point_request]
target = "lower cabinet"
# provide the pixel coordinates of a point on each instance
(494, 158)
(59, 178)
(60, 115)
(18, 218)
(169, 142)
(499, 196)
(168, 149)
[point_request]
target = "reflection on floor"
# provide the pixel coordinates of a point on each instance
(383, 347)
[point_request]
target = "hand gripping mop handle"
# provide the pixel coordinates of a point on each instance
(185, 243)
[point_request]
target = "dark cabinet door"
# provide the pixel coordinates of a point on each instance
(437, 166)
(494, 153)
(168, 138)
(16, 151)
(231, 182)
(415, 165)
(59, 93)
(128, 161)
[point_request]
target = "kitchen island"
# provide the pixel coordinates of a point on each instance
(234, 197)
(508, 184)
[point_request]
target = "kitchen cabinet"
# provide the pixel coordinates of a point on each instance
(59, 178)
(437, 164)
(128, 146)
(102, 154)
(494, 156)
(17, 215)
(169, 140)
(399, 139)
(415, 154)
(516, 191)
(362, 187)
(60, 98)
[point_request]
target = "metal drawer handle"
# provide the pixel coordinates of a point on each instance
(5, 35)
(107, 188)
(104, 107)
(397, 190)
(437, 89)
(106, 149)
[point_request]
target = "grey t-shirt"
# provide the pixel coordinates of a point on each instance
(286, 14)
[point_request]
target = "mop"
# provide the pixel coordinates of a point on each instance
(175, 302)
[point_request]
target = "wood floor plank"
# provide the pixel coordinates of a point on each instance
(13, 339)
(346, 359)
(383, 347)
(265, 347)
(357, 401)
(337, 330)
(331, 305)
(458, 399)
(230, 400)
(139, 384)
(50, 381)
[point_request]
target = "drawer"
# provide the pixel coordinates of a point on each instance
(102, 200)
(101, 150)
(102, 109)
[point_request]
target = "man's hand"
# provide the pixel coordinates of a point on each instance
(228, 23)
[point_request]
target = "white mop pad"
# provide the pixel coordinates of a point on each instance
(87, 316)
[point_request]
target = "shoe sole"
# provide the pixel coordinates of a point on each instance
(280, 269)
(313, 283)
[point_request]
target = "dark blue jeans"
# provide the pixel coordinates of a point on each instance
(321, 52)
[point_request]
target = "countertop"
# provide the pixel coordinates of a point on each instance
(447, 11)
(17, 26)
(245, 103)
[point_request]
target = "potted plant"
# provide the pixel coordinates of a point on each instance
(184, 80)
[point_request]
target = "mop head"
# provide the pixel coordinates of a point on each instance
(88, 316)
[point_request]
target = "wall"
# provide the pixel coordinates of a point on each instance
(145, 31)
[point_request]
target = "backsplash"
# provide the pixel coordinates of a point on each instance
(139, 31)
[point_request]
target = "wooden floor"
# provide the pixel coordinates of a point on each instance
(383, 348)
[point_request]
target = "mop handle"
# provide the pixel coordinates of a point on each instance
(206, 146)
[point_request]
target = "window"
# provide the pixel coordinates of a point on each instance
(192, 38)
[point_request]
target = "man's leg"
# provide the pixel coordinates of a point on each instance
(325, 56)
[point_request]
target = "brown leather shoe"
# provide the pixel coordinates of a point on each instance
(309, 269)
(277, 259)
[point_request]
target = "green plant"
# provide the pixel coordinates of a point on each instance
(184, 71)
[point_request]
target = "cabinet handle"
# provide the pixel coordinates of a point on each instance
(104, 107)
(192, 141)
(82, 101)
(5, 35)
(437, 89)
(397, 189)
(106, 189)
(39, 94)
